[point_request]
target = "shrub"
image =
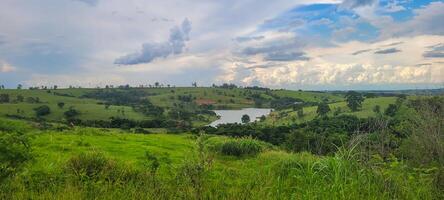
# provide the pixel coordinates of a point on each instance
(71, 113)
(14, 148)
(95, 166)
(237, 146)
(42, 110)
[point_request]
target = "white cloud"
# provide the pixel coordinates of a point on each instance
(340, 65)
(6, 67)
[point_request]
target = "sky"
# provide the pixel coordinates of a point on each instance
(293, 44)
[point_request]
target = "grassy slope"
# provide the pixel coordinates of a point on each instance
(54, 148)
(309, 96)
(289, 116)
(88, 108)
(271, 175)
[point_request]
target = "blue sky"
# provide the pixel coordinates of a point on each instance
(307, 44)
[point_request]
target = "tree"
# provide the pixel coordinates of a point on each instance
(60, 104)
(194, 84)
(4, 98)
(156, 84)
(391, 110)
(300, 113)
(377, 109)
(42, 110)
(245, 119)
(14, 150)
(19, 86)
(20, 98)
(354, 100)
(323, 109)
(262, 118)
(71, 113)
(55, 87)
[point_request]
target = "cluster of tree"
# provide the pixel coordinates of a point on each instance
(4, 98)
(43, 87)
(186, 98)
(119, 97)
(226, 86)
(257, 88)
(280, 103)
(124, 123)
(42, 110)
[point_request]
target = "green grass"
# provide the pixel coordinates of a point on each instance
(184, 166)
(89, 108)
(309, 96)
(271, 174)
(54, 148)
(289, 116)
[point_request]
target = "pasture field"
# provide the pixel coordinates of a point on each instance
(289, 116)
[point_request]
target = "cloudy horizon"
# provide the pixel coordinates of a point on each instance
(306, 44)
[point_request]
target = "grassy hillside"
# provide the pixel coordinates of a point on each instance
(117, 166)
(287, 116)
(89, 108)
(188, 98)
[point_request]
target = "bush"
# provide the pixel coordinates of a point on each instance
(71, 113)
(236, 146)
(14, 148)
(42, 110)
(95, 166)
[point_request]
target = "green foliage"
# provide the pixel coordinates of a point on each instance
(71, 113)
(4, 98)
(42, 110)
(377, 109)
(60, 104)
(245, 119)
(20, 98)
(354, 100)
(391, 110)
(323, 109)
(15, 148)
(237, 146)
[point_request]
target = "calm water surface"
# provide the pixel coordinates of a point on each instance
(234, 116)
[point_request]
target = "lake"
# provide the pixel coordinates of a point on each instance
(234, 116)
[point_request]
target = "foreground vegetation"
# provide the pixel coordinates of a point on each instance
(91, 164)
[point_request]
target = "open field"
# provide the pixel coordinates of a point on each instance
(289, 116)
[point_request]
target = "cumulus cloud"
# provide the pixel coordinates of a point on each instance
(6, 67)
(89, 2)
(331, 67)
(388, 51)
(350, 4)
(150, 51)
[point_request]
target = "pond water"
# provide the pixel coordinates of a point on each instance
(234, 116)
